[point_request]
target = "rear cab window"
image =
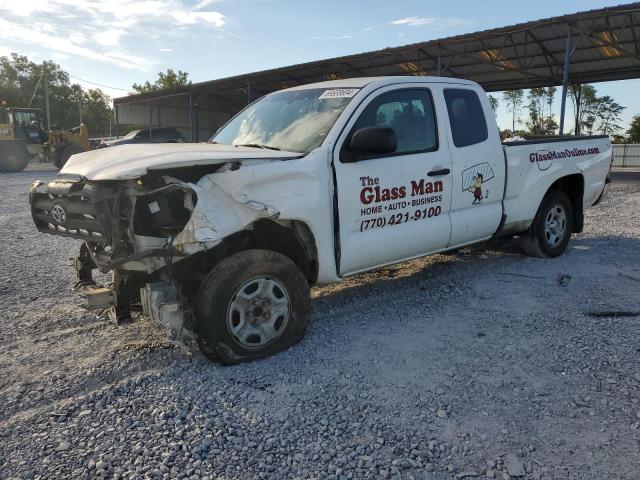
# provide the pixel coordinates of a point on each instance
(466, 117)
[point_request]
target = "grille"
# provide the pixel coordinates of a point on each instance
(68, 208)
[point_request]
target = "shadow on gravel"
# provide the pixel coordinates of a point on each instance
(434, 268)
(439, 268)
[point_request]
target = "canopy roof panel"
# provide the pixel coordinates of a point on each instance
(605, 45)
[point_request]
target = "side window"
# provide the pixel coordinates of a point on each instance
(466, 116)
(410, 113)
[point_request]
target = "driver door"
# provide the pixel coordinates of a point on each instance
(393, 206)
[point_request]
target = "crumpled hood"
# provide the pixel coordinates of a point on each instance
(132, 161)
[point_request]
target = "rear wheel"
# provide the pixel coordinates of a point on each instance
(550, 232)
(13, 157)
(251, 305)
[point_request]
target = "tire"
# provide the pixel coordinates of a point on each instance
(550, 232)
(251, 305)
(13, 156)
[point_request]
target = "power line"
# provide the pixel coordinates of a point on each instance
(99, 85)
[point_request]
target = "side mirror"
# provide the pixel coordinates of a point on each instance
(372, 141)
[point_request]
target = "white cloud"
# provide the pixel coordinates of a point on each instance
(25, 8)
(110, 37)
(60, 57)
(75, 37)
(434, 21)
(413, 21)
(166, 50)
(334, 37)
(131, 61)
(190, 18)
(204, 3)
(66, 45)
(95, 29)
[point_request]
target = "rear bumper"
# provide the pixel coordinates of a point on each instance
(72, 208)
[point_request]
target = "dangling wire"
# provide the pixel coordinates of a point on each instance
(36, 89)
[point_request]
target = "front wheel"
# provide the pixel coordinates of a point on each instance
(550, 232)
(251, 305)
(13, 157)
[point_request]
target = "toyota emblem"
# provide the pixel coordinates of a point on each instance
(59, 214)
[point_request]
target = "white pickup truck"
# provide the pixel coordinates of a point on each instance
(310, 185)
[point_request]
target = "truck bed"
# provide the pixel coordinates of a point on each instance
(534, 164)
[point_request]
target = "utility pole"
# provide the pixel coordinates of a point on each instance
(46, 94)
(80, 104)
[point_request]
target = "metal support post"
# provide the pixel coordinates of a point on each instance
(565, 80)
(150, 123)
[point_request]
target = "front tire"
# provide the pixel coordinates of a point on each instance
(550, 232)
(251, 305)
(13, 157)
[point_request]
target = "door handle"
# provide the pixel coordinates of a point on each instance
(437, 173)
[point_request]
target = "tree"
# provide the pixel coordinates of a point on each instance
(549, 95)
(514, 99)
(22, 85)
(619, 139)
(494, 102)
(583, 98)
(164, 81)
(97, 112)
(634, 129)
(593, 113)
(607, 112)
(539, 123)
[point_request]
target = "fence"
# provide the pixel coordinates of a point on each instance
(626, 155)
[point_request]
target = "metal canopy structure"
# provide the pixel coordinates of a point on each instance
(584, 47)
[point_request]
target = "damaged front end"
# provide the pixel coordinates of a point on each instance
(124, 223)
(153, 232)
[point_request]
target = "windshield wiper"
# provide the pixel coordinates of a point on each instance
(258, 145)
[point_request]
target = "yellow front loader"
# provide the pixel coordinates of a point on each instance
(22, 137)
(64, 143)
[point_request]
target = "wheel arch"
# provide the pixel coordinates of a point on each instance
(292, 238)
(572, 186)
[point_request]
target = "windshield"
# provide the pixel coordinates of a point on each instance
(27, 119)
(297, 121)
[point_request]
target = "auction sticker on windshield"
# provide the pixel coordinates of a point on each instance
(339, 93)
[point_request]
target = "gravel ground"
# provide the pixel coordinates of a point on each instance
(484, 364)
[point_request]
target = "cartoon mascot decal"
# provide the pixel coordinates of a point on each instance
(473, 178)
